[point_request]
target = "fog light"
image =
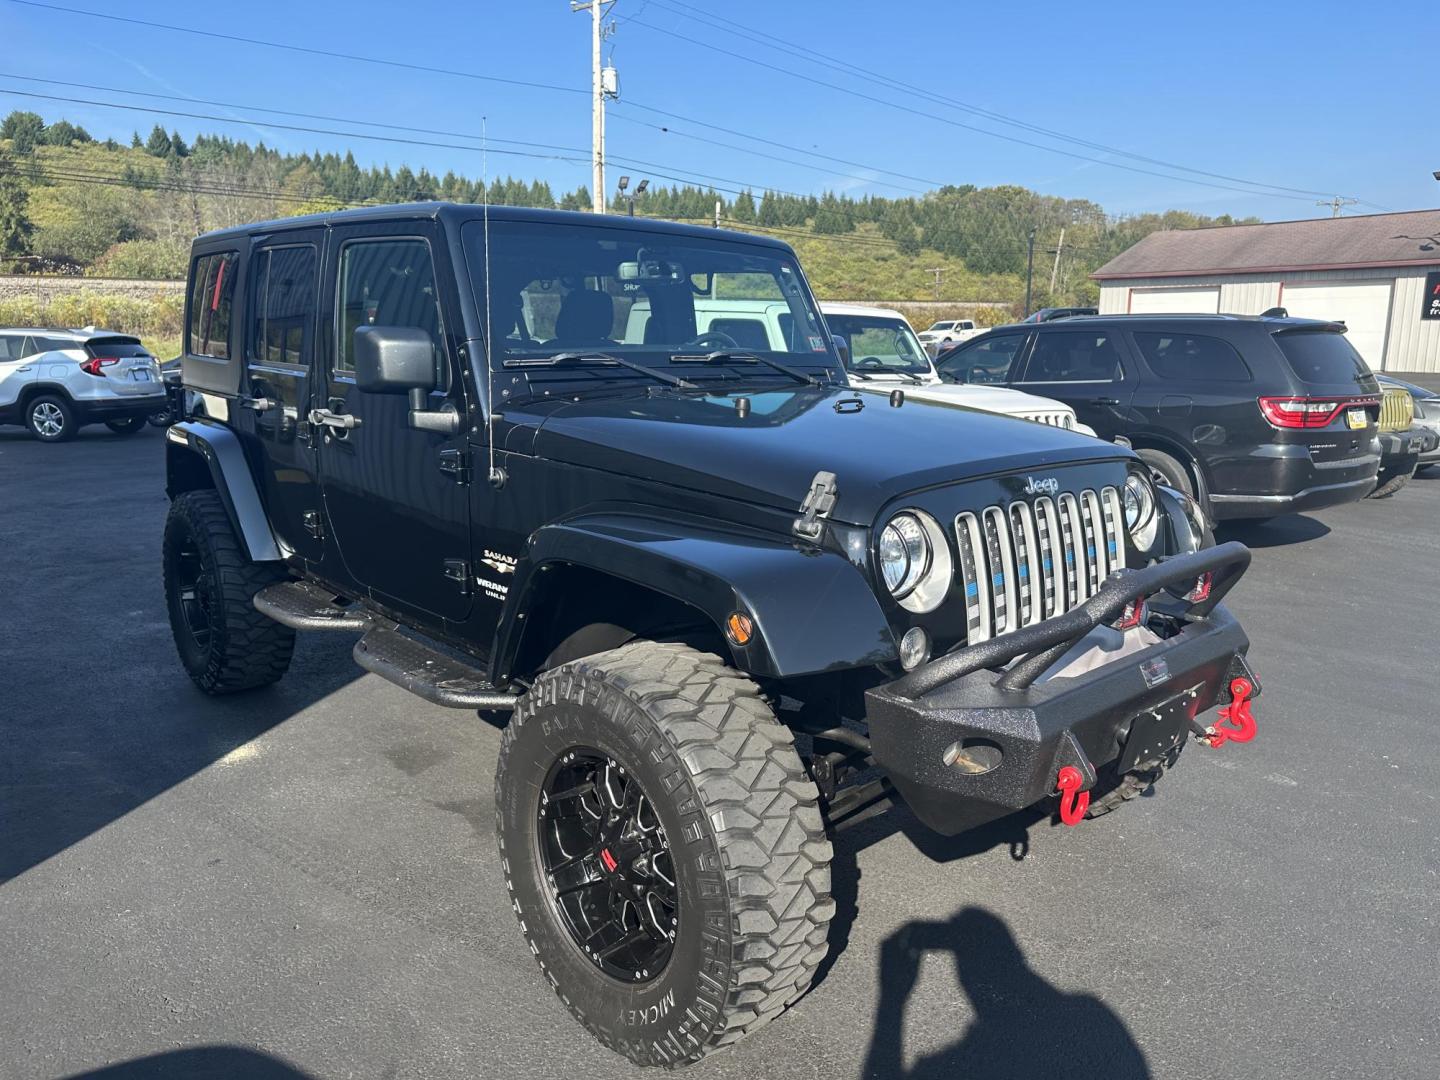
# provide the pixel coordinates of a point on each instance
(914, 648)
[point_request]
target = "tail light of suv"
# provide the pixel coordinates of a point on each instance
(1310, 412)
(94, 365)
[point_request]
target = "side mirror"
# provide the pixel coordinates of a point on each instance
(842, 347)
(394, 360)
(401, 360)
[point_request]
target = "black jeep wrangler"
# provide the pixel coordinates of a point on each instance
(724, 603)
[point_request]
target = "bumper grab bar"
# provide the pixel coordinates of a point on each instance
(1042, 643)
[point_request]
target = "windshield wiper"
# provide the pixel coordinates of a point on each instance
(749, 358)
(865, 376)
(604, 358)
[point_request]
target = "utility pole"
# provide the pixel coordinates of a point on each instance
(1055, 270)
(1029, 271)
(717, 213)
(599, 92)
(1336, 203)
(939, 272)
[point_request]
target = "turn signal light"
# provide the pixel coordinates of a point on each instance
(93, 366)
(1203, 584)
(739, 628)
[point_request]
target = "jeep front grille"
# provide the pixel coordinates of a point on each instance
(1053, 419)
(1025, 562)
(1397, 409)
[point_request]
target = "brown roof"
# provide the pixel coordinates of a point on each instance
(1408, 239)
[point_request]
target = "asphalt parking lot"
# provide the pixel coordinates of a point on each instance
(303, 881)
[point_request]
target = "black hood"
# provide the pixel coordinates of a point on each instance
(769, 456)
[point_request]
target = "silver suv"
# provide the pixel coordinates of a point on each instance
(55, 381)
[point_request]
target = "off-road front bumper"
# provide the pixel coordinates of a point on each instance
(964, 742)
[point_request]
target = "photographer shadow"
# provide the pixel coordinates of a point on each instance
(1020, 1026)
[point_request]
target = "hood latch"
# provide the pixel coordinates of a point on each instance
(819, 501)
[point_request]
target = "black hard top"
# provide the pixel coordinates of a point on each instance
(456, 214)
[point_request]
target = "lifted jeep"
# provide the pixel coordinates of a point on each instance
(725, 603)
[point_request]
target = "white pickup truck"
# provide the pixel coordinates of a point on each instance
(941, 335)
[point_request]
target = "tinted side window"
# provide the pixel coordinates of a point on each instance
(388, 283)
(1074, 356)
(283, 319)
(10, 347)
(746, 333)
(1192, 356)
(1321, 356)
(212, 290)
(987, 360)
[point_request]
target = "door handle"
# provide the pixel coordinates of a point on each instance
(1104, 401)
(27, 367)
(259, 404)
(339, 421)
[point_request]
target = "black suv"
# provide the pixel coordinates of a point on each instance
(722, 603)
(1253, 416)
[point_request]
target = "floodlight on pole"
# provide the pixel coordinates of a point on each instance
(624, 183)
(629, 196)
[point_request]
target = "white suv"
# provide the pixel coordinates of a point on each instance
(882, 353)
(941, 335)
(55, 381)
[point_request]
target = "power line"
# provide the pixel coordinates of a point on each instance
(956, 123)
(301, 48)
(819, 58)
(654, 168)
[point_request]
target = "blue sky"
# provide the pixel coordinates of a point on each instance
(1333, 98)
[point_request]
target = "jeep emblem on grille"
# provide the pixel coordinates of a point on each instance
(1044, 485)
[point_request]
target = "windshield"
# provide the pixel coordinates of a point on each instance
(642, 296)
(880, 344)
(940, 326)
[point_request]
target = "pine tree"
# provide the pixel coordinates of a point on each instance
(158, 145)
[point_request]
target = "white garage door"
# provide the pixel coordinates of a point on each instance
(1363, 306)
(1191, 299)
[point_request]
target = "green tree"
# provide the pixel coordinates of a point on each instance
(743, 209)
(15, 227)
(24, 130)
(64, 133)
(158, 145)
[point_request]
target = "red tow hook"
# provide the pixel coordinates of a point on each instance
(1073, 801)
(1237, 716)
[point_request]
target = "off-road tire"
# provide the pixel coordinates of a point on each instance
(1391, 483)
(1167, 470)
(244, 649)
(54, 407)
(1113, 790)
(748, 845)
(126, 427)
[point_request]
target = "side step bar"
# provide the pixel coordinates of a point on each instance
(424, 671)
(427, 673)
(303, 605)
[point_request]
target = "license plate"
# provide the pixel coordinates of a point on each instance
(1356, 418)
(142, 376)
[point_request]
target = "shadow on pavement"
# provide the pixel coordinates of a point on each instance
(96, 715)
(1016, 1026)
(1012, 831)
(208, 1062)
(1272, 532)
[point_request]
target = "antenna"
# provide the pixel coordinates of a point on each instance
(495, 475)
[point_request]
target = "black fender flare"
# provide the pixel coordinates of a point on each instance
(1184, 518)
(219, 448)
(812, 610)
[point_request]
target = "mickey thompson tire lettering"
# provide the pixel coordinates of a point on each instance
(751, 856)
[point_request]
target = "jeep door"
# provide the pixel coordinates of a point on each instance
(282, 310)
(395, 503)
(1087, 369)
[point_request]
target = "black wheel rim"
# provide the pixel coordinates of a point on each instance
(607, 865)
(194, 592)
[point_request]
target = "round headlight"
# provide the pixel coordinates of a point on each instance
(1139, 503)
(904, 554)
(1140, 518)
(914, 560)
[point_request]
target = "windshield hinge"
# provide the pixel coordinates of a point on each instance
(456, 465)
(819, 501)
